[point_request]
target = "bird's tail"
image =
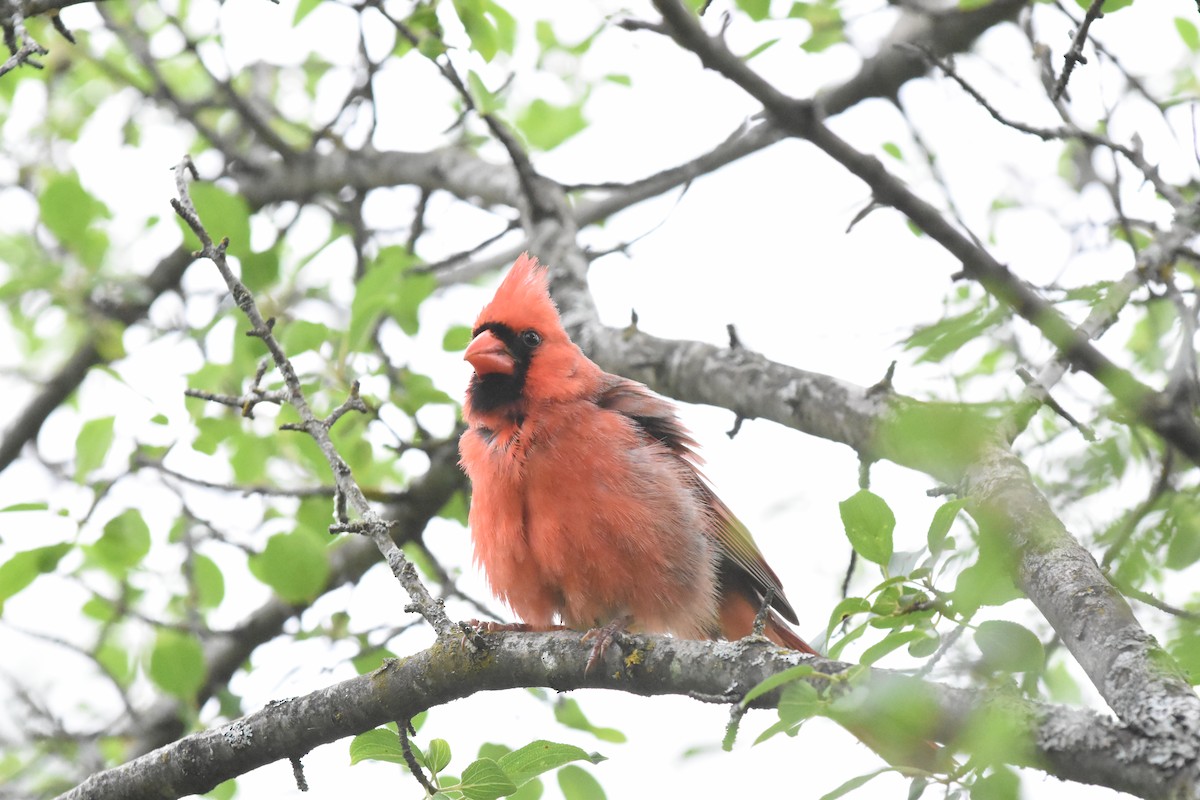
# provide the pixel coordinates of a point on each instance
(737, 621)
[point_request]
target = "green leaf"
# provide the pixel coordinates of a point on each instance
(535, 758)
(545, 126)
(504, 25)
(772, 682)
(70, 212)
(124, 543)
(762, 48)
(893, 641)
(1010, 647)
(300, 336)
(798, 702)
(223, 791)
(1108, 7)
(303, 9)
(568, 712)
(926, 646)
(483, 35)
(381, 744)
(293, 564)
(371, 659)
(854, 783)
(209, 580)
(417, 390)
(457, 338)
(91, 445)
(485, 101)
(1188, 33)
(177, 663)
(1001, 784)
(36, 506)
(390, 285)
(825, 20)
(987, 582)
(893, 150)
(757, 10)
(23, 567)
(437, 755)
(115, 659)
(250, 456)
(578, 784)
(260, 271)
(869, 523)
(939, 527)
(949, 335)
(223, 215)
(485, 780)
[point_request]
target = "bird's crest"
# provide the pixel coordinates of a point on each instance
(523, 299)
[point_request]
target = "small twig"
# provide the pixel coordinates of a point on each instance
(1183, 386)
(947, 643)
(1044, 397)
(369, 521)
(403, 727)
(297, 764)
(1075, 54)
(884, 386)
(1066, 131)
(1151, 600)
(849, 573)
(61, 27)
(735, 343)
(245, 403)
(21, 45)
(418, 224)
(140, 461)
(764, 611)
(1129, 526)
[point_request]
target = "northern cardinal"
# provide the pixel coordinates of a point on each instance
(588, 506)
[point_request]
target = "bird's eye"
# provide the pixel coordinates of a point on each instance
(531, 338)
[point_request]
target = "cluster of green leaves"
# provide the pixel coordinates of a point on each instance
(498, 771)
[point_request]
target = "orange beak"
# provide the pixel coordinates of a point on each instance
(489, 356)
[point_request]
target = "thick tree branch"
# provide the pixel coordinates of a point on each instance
(1073, 743)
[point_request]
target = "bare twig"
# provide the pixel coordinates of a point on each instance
(369, 523)
(1134, 154)
(403, 728)
(1075, 54)
(22, 46)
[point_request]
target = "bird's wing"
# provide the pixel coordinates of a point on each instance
(655, 417)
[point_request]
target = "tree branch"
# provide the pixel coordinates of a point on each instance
(1174, 422)
(1076, 744)
(369, 521)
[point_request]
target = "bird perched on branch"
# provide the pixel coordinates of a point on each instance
(588, 507)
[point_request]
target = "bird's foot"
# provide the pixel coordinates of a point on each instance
(603, 638)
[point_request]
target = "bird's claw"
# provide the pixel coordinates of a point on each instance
(604, 637)
(472, 629)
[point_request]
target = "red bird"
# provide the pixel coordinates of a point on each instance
(588, 506)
